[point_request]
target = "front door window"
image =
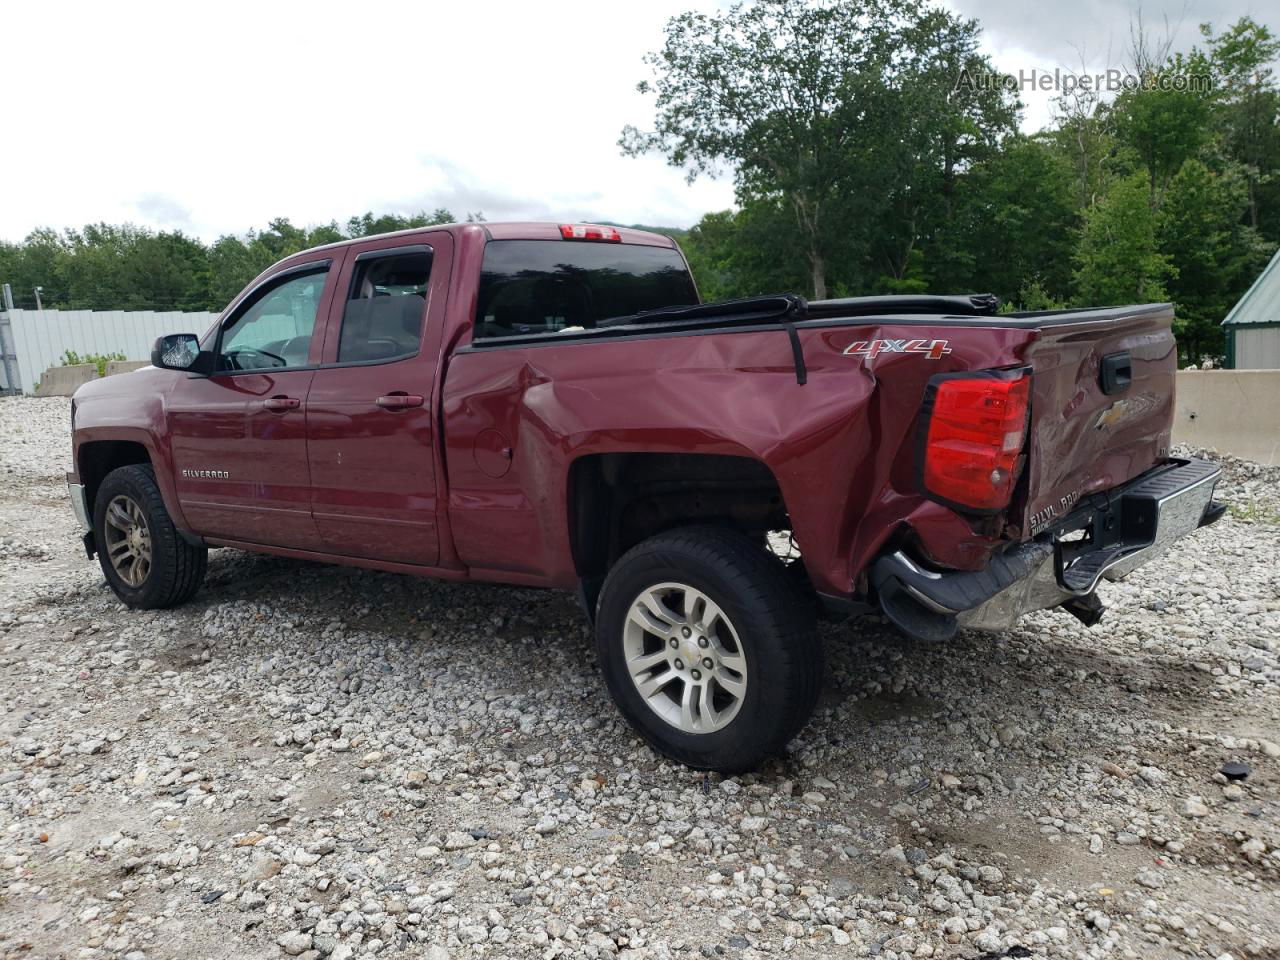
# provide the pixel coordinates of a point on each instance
(274, 332)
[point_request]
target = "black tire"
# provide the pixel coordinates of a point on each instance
(773, 621)
(177, 567)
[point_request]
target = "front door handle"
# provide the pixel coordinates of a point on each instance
(399, 401)
(280, 403)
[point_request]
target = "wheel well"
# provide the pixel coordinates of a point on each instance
(99, 458)
(617, 500)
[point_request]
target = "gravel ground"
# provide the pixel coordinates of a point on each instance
(316, 761)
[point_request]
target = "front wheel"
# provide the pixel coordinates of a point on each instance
(708, 648)
(146, 561)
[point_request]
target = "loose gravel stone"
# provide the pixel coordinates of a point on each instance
(333, 763)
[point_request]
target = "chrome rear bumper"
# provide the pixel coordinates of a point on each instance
(1117, 532)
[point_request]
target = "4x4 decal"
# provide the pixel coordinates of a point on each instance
(933, 349)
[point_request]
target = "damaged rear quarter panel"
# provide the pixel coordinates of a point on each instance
(841, 446)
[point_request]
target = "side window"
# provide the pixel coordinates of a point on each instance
(388, 297)
(275, 330)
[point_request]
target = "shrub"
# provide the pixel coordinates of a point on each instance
(99, 360)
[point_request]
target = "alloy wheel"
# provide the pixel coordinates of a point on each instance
(685, 657)
(128, 540)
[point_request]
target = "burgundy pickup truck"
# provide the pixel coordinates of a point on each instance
(550, 405)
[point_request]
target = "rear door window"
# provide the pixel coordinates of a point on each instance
(382, 319)
(546, 286)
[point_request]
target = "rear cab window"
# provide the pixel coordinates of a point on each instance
(530, 287)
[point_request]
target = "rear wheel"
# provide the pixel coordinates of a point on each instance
(708, 648)
(145, 560)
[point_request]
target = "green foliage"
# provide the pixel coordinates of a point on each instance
(842, 114)
(946, 126)
(1247, 113)
(746, 253)
(70, 359)
(126, 267)
(1256, 511)
(1169, 191)
(1015, 223)
(1164, 126)
(1118, 260)
(1200, 229)
(912, 279)
(367, 224)
(1034, 296)
(862, 166)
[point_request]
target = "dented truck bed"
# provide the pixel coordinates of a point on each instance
(833, 397)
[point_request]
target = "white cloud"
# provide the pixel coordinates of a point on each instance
(216, 118)
(1090, 37)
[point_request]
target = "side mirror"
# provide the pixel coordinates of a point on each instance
(178, 351)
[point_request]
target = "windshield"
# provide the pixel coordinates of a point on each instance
(544, 286)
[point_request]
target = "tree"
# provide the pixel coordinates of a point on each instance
(231, 267)
(280, 239)
(956, 111)
(1117, 260)
(166, 268)
(34, 264)
(1215, 255)
(366, 225)
(125, 267)
(1248, 114)
(324, 234)
(1082, 135)
(794, 97)
(1016, 221)
(89, 269)
(1162, 124)
(746, 253)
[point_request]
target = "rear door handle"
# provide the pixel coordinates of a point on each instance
(282, 403)
(399, 401)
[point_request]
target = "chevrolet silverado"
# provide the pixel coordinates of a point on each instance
(550, 405)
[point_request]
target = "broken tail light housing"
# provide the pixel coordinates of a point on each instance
(589, 231)
(974, 432)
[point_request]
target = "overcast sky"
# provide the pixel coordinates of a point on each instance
(214, 118)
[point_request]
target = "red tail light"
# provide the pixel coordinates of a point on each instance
(589, 231)
(976, 431)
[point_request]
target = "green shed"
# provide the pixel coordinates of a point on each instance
(1253, 325)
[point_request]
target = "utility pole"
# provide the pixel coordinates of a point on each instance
(39, 306)
(8, 359)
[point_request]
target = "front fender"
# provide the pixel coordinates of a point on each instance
(130, 411)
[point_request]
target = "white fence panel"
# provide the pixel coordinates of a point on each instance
(41, 337)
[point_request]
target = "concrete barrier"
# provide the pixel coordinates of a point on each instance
(1232, 411)
(125, 366)
(64, 381)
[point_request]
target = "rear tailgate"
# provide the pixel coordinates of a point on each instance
(1090, 429)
